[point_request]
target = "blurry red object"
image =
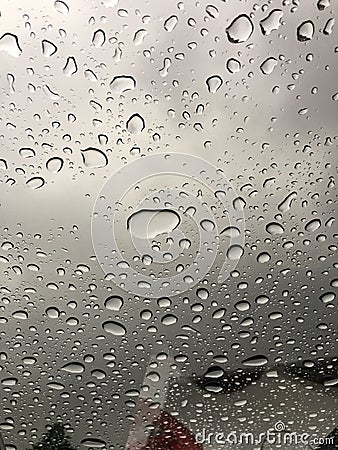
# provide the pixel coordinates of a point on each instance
(170, 434)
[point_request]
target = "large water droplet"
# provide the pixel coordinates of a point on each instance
(274, 228)
(35, 182)
(48, 48)
(114, 303)
(235, 252)
(54, 164)
(94, 158)
(305, 31)
(312, 225)
(240, 29)
(93, 443)
(114, 328)
(214, 83)
(268, 65)
(70, 67)
(61, 7)
(170, 23)
(149, 223)
(122, 83)
(271, 22)
(255, 361)
(9, 43)
(99, 38)
(73, 367)
(135, 124)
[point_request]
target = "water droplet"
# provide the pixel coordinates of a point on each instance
(214, 83)
(313, 225)
(285, 205)
(170, 23)
(122, 83)
(61, 7)
(70, 67)
(305, 31)
(149, 223)
(94, 158)
(207, 225)
(114, 328)
(35, 182)
(212, 11)
(263, 257)
(114, 303)
(255, 361)
(53, 312)
(327, 297)
(26, 152)
(268, 65)
(135, 124)
(242, 306)
(328, 27)
(93, 443)
(235, 252)
(240, 29)
(73, 367)
(56, 386)
(214, 372)
(202, 293)
(139, 36)
(233, 65)
(274, 228)
(21, 315)
(9, 381)
(9, 43)
(54, 164)
(169, 319)
(48, 48)
(99, 38)
(271, 22)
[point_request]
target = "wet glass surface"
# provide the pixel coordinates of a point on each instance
(168, 235)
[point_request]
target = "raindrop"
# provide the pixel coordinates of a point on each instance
(27, 152)
(214, 372)
(114, 303)
(53, 312)
(170, 23)
(169, 319)
(313, 225)
(35, 182)
(233, 65)
(212, 11)
(263, 257)
(139, 36)
(214, 83)
(274, 228)
(94, 158)
(327, 297)
(9, 43)
(207, 225)
(114, 328)
(48, 48)
(242, 306)
(54, 164)
(285, 205)
(56, 386)
(268, 65)
(93, 443)
(271, 22)
(328, 27)
(240, 29)
(149, 223)
(135, 124)
(202, 293)
(73, 367)
(305, 31)
(122, 83)
(255, 361)
(61, 7)
(70, 67)
(99, 38)
(235, 252)
(9, 381)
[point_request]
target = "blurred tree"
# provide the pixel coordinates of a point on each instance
(55, 439)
